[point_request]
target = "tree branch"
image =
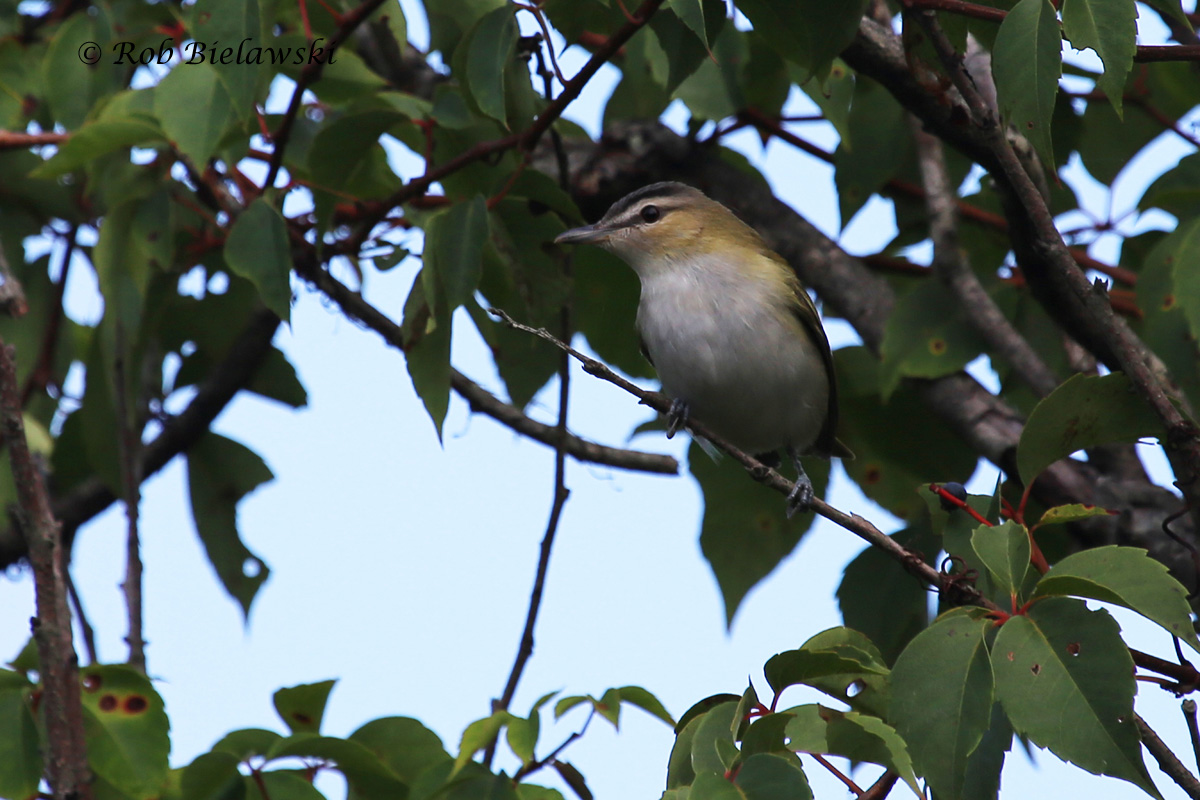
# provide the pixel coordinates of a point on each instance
(66, 759)
(1167, 760)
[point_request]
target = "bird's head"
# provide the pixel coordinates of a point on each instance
(666, 224)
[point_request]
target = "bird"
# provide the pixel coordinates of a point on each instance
(737, 342)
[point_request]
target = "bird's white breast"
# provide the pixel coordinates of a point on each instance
(728, 346)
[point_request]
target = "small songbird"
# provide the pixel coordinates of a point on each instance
(736, 340)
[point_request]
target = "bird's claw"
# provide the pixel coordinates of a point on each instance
(801, 496)
(677, 417)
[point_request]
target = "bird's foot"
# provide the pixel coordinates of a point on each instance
(677, 417)
(801, 496)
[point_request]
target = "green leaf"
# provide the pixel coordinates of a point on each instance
(232, 22)
(283, 785)
(247, 742)
(220, 473)
(1176, 191)
(213, 776)
(772, 776)
(715, 727)
(1066, 680)
(942, 699)
(492, 45)
(1110, 28)
(1073, 512)
(845, 665)
(454, 252)
(302, 707)
(126, 728)
(879, 598)
(1167, 328)
(522, 736)
(403, 744)
(808, 32)
(365, 773)
(1181, 249)
(691, 14)
(478, 735)
(97, 139)
(1171, 8)
(745, 532)
(679, 764)
(878, 143)
(683, 48)
(927, 335)
(194, 108)
(1129, 577)
(1027, 62)
(72, 86)
(646, 701)
(21, 765)
(276, 379)
(858, 737)
(714, 786)
(427, 354)
(1004, 549)
(257, 249)
(1082, 412)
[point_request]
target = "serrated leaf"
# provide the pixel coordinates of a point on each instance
(942, 699)
(257, 249)
(1026, 63)
(194, 108)
(858, 737)
(1004, 549)
(1126, 576)
(1084, 411)
(1073, 512)
(808, 32)
(126, 728)
(302, 707)
(220, 473)
(492, 44)
(1110, 28)
(745, 532)
(1066, 680)
(863, 688)
(793, 667)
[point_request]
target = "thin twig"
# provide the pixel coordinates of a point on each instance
(837, 773)
(66, 758)
(15, 140)
(760, 472)
(43, 370)
(89, 635)
(552, 756)
(1168, 762)
(1189, 714)
(881, 787)
(128, 447)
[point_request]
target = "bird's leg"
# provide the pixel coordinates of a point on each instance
(801, 496)
(677, 417)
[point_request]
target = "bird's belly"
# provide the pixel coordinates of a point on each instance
(757, 383)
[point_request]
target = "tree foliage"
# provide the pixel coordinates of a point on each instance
(235, 146)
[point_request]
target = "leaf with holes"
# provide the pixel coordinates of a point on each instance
(1065, 679)
(127, 730)
(1026, 63)
(220, 473)
(841, 662)
(1126, 576)
(1085, 410)
(942, 698)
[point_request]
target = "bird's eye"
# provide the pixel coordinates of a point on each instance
(650, 213)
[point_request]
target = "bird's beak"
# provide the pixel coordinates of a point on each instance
(588, 234)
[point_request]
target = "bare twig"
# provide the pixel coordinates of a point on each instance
(1168, 762)
(43, 370)
(1189, 714)
(128, 447)
(66, 758)
(950, 265)
(880, 788)
(16, 140)
(837, 773)
(89, 635)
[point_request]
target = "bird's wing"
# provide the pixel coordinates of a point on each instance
(827, 443)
